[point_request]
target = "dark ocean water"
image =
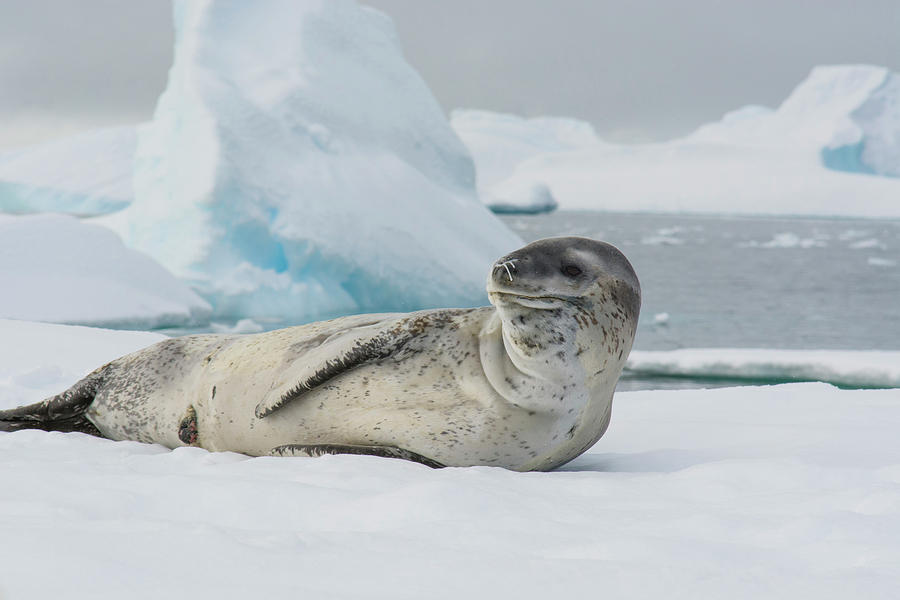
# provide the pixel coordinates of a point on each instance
(751, 282)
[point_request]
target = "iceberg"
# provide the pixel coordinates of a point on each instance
(511, 197)
(84, 175)
(55, 268)
(849, 115)
(297, 168)
(832, 148)
(810, 156)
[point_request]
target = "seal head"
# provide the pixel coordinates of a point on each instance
(552, 271)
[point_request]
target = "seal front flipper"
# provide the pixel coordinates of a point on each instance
(344, 351)
(315, 450)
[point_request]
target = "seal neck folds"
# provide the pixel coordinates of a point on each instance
(566, 313)
(564, 352)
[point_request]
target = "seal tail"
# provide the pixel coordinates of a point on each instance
(62, 412)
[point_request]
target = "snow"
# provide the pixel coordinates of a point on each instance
(790, 491)
(857, 368)
(41, 359)
(56, 268)
(832, 148)
(308, 172)
(86, 174)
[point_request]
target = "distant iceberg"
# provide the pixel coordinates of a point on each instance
(500, 142)
(850, 115)
(512, 197)
(55, 268)
(86, 174)
(298, 168)
(832, 148)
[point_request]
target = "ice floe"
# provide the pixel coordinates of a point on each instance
(854, 368)
(789, 491)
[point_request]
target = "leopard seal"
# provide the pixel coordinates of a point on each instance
(526, 383)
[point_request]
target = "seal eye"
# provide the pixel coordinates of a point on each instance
(571, 270)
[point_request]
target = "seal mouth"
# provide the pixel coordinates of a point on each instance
(539, 302)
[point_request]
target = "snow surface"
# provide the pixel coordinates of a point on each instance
(791, 491)
(56, 268)
(38, 360)
(86, 174)
(815, 155)
(854, 368)
(308, 172)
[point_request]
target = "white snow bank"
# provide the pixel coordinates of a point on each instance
(38, 360)
(790, 491)
(86, 174)
(861, 368)
(58, 269)
(815, 155)
(298, 167)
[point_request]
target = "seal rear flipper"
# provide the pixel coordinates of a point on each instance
(315, 450)
(344, 351)
(63, 412)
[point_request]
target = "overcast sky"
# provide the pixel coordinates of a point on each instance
(637, 69)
